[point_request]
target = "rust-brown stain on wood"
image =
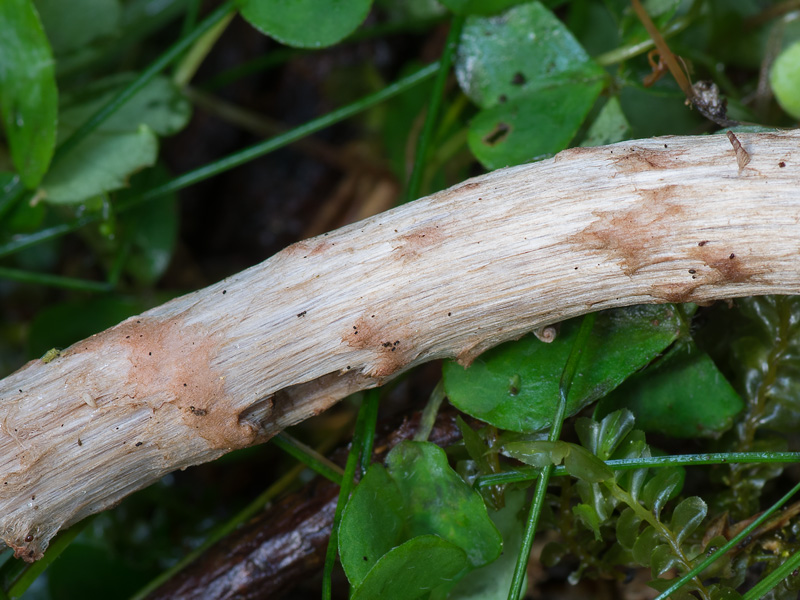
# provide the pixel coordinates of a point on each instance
(171, 370)
(638, 236)
(390, 345)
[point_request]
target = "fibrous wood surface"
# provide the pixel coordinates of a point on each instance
(670, 219)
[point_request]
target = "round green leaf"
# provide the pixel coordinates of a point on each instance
(784, 77)
(413, 570)
(683, 395)
(514, 54)
(372, 524)
(479, 7)
(28, 92)
(305, 23)
(122, 145)
(100, 163)
(622, 341)
(531, 127)
(494, 580)
(609, 127)
(436, 500)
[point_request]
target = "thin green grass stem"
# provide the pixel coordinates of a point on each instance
(20, 575)
(628, 51)
(426, 135)
(281, 55)
(364, 415)
(24, 241)
(224, 529)
(67, 283)
(428, 418)
(515, 592)
(172, 53)
(192, 60)
(309, 457)
(279, 141)
(20, 242)
(628, 464)
(771, 581)
(765, 584)
(372, 400)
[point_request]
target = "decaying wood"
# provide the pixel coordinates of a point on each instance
(285, 544)
(669, 219)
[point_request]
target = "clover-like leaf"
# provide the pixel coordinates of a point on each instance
(413, 570)
(372, 524)
(305, 23)
(437, 501)
(622, 342)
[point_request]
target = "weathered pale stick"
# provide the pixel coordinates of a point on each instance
(670, 219)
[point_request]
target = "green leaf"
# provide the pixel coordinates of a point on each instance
(531, 127)
(757, 344)
(28, 92)
(589, 517)
(413, 570)
(474, 445)
(534, 81)
(682, 395)
(305, 23)
(122, 145)
(603, 438)
(687, 517)
(784, 77)
(479, 7)
(151, 229)
(724, 593)
(644, 545)
(493, 580)
(537, 453)
(584, 465)
(609, 127)
(518, 53)
(101, 163)
(662, 560)
(597, 496)
(660, 488)
(436, 500)
(372, 524)
(628, 528)
(622, 342)
(67, 27)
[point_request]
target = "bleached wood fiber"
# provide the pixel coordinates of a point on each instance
(668, 219)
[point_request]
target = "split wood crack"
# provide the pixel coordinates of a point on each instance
(670, 219)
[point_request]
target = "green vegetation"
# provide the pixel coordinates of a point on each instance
(90, 224)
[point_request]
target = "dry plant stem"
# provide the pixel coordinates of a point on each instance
(669, 219)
